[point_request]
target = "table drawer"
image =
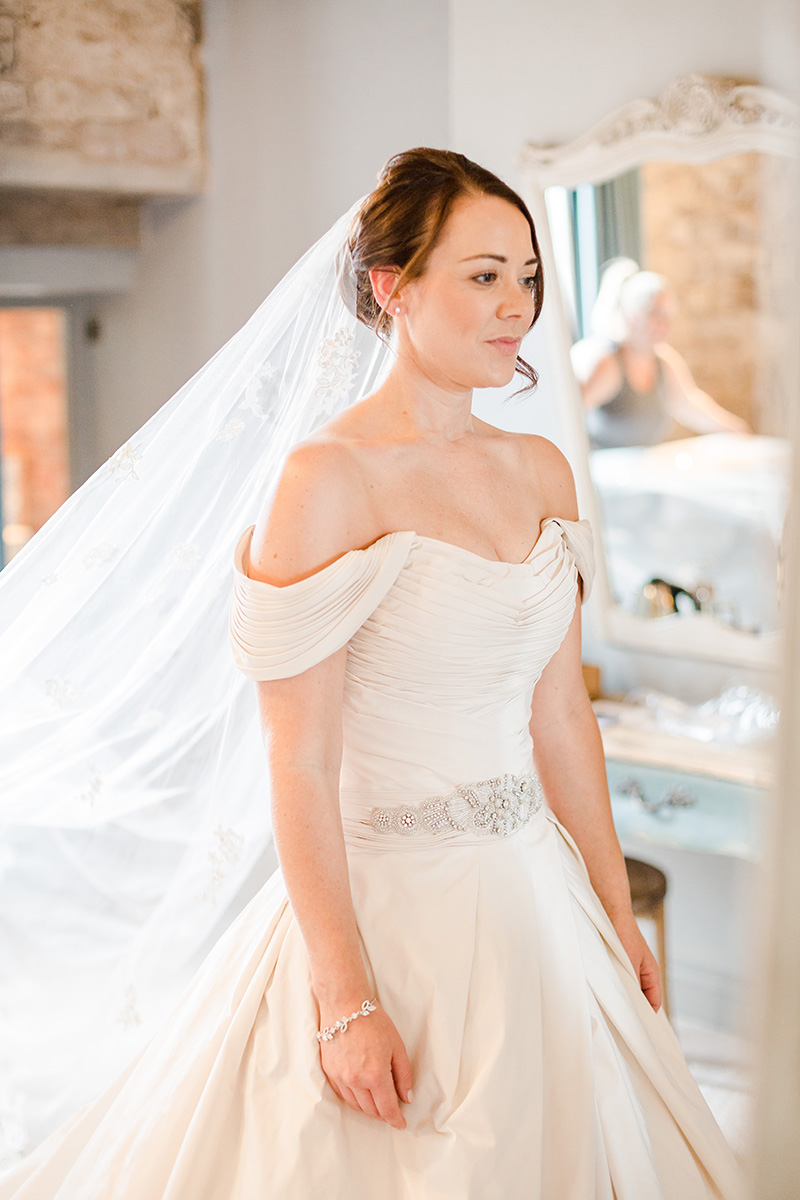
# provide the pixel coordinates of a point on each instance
(682, 809)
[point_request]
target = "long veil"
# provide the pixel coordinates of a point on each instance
(134, 799)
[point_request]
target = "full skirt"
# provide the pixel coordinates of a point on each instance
(540, 1071)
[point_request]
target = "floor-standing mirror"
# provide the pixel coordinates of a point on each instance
(663, 233)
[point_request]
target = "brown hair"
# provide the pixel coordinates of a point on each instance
(400, 222)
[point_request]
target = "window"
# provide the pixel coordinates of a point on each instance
(34, 439)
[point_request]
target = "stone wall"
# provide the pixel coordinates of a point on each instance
(707, 227)
(701, 228)
(776, 386)
(101, 95)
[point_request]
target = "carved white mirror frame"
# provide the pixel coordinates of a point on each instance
(697, 119)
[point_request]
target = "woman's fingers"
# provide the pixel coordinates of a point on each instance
(379, 1102)
(650, 979)
(366, 1103)
(371, 1072)
(386, 1103)
(401, 1073)
(348, 1095)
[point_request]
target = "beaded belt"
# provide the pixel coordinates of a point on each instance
(495, 807)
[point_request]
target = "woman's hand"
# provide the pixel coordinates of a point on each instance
(367, 1066)
(644, 963)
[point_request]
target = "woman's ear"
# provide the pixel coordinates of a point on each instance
(383, 279)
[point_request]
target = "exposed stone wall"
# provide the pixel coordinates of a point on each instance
(34, 415)
(104, 95)
(779, 282)
(702, 228)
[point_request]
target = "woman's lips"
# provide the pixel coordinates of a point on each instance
(508, 346)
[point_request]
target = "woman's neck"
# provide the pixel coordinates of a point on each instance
(435, 410)
(638, 346)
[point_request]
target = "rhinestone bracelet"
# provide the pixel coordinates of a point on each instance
(326, 1035)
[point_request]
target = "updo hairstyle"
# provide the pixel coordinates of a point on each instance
(401, 221)
(625, 290)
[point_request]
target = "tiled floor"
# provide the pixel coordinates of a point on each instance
(720, 1064)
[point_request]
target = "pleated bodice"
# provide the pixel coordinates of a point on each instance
(444, 650)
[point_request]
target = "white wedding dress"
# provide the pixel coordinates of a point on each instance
(540, 1070)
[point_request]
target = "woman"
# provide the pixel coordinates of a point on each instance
(486, 1011)
(634, 385)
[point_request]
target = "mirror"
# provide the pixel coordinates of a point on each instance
(659, 227)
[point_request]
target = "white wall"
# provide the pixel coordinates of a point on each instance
(306, 100)
(523, 69)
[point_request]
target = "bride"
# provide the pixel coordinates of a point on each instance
(443, 992)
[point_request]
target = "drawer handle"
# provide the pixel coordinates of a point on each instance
(674, 797)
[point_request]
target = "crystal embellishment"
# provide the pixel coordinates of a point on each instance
(491, 807)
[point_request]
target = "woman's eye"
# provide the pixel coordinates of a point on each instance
(529, 282)
(485, 277)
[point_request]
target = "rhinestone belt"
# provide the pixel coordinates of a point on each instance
(495, 807)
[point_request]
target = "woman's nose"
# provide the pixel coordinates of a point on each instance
(511, 302)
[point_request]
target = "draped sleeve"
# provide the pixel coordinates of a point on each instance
(278, 632)
(579, 541)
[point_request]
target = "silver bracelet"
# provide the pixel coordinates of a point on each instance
(326, 1035)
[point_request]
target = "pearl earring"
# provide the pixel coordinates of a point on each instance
(397, 311)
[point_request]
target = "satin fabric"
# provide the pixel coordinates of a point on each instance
(540, 1070)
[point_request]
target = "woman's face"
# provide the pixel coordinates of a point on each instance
(653, 325)
(463, 320)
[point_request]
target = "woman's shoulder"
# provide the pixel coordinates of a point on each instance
(318, 511)
(554, 477)
(591, 355)
(548, 469)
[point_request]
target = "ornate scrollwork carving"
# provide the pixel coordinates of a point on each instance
(695, 114)
(694, 106)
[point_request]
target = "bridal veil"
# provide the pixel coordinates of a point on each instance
(134, 800)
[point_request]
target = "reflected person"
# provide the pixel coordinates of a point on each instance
(635, 386)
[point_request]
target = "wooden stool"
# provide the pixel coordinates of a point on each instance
(648, 888)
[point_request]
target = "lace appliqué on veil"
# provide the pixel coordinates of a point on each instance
(185, 556)
(129, 1017)
(98, 554)
(122, 465)
(231, 430)
(61, 691)
(228, 849)
(257, 398)
(93, 788)
(337, 364)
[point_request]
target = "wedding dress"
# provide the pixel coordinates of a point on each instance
(540, 1070)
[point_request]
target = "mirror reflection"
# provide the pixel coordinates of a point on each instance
(673, 295)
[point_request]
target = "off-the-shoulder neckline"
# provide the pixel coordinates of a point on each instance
(411, 534)
(493, 562)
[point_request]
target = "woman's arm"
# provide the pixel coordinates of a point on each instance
(305, 528)
(689, 404)
(597, 371)
(569, 759)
